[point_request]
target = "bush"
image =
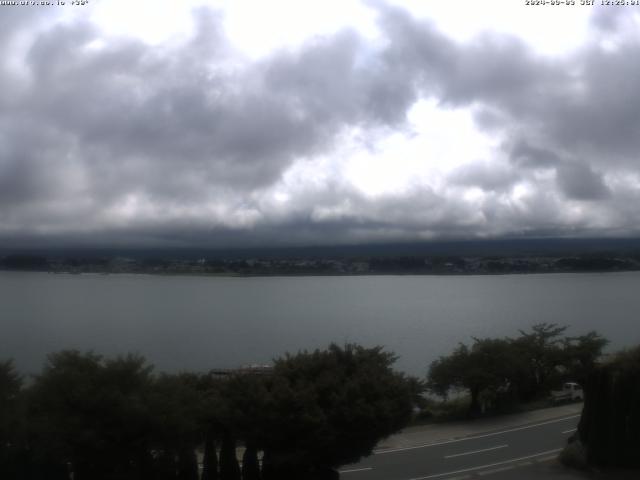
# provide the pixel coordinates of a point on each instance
(574, 454)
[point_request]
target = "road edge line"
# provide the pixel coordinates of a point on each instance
(473, 437)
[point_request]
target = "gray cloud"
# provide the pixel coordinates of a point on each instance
(579, 182)
(524, 155)
(582, 103)
(608, 20)
(113, 140)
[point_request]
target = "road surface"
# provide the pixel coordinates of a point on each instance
(481, 454)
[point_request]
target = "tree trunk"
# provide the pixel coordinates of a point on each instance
(210, 461)
(474, 407)
(250, 465)
(268, 472)
(229, 468)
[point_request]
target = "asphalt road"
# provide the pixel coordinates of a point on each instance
(483, 454)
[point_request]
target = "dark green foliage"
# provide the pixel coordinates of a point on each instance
(91, 413)
(104, 417)
(498, 373)
(10, 421)
(336, 404)
(246, 402)
(610, 422)
(112, 419)
(175, 406)
(187, 464)
(166, 467)
(10, 384)
(486, 367)
(593, 263)
(539, 353)
(580, 354)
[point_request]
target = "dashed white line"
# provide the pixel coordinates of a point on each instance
(475, 451)
(481, 467)
(446, 442)
(570, 430)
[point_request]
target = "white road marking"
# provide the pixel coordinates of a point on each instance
(356, 470)
(480, 467)
(570, 431)
(446, 442)
(475, 451)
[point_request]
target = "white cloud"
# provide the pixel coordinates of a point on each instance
(313, 121)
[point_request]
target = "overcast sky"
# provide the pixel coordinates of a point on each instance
(252, 122)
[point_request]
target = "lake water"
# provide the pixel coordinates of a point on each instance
(198, 323)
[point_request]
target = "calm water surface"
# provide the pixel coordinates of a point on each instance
(203, 322)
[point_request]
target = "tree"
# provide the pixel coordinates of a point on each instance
(177, 409)
(10, 420)
(244, 398)
(331, 407)
(581, 354)
(539, 353)
(485, 367)
(610, 423)
(113, 419)
(91, 414)
(497, 370)
(210, 409)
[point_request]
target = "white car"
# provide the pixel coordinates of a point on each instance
(570, 392)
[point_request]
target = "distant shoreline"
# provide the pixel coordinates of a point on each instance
(329, 266)
(328, 274)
